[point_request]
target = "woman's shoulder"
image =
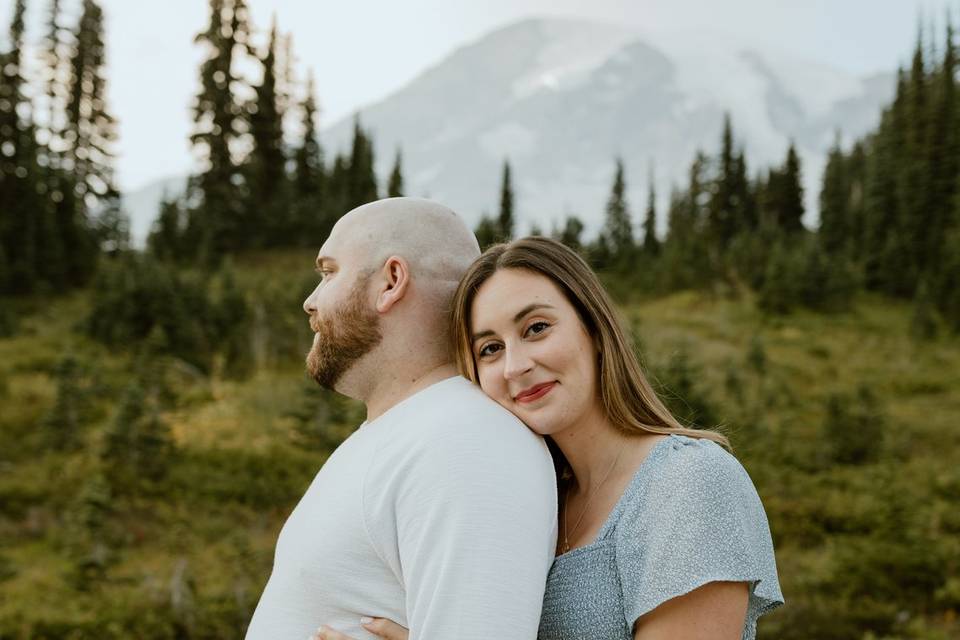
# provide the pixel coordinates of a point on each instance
(691, 476)
(687, 462)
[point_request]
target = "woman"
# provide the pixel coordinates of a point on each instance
(661, 532)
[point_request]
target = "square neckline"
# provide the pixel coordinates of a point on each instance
(614, 514)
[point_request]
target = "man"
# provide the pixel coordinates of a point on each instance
(439, 511)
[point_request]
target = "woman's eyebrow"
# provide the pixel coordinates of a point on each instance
(531, 307)
(517, 318)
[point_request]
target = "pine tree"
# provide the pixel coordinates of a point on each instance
(881, 254)
(165, 241)
(943, 157)
(267, 212)
(62, 424)
(571, 232)
(215, 224)
(651, 246)
(395, 184)
(919, 210)
(835, 228)
(19, 171)
(723, 210)
(361, 179)
(338, 187)
(137, 444)
(90, 132)
(783, 195)
(505, 220)
(56, 204)
(618, 229)
(487, 232)
(314, 217)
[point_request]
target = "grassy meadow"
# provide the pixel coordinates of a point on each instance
(847, 425)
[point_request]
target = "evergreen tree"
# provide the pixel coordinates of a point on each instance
(651, 246)
(505, 219)
(315, 217)
(165, 241)
(90, 133)
(215, 224)
(835, 228)
(137, 444)
(56, 202)
(918, 209)
(62, 424)
(487, 232)
(783, 195)
(20, 187)
(571, 232)
(338, 188)
(267, 212)
(723, 211)
(361, 179)
(395, 184)
(618, 230)
(856, 176)
(943, 158)
(881, 254)
(854, 427)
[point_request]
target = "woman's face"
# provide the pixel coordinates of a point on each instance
(533, 354)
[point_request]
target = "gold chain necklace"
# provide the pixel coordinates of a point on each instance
(566, 498)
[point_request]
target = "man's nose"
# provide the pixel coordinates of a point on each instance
(309, 306)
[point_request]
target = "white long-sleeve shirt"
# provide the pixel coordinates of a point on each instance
(440, 514)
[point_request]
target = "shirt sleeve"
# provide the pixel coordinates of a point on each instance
(700, 520)
(476, 533)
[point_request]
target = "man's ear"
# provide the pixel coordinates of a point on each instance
(396, 280)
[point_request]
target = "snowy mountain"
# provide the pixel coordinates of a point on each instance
(561, 98)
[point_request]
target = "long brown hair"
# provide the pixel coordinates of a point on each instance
(628, 399)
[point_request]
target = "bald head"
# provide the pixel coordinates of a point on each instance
(433, 240)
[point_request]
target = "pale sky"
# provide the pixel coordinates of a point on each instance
(360, 50)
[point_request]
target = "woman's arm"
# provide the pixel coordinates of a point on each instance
(380, 627)
(715, 611)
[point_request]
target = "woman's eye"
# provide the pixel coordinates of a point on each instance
(537, 327)
(489, 349)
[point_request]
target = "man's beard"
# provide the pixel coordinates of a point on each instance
(343, 339)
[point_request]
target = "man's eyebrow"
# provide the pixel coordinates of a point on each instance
(321, 260)
(517, 318)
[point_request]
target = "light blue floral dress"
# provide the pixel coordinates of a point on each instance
(689, 516)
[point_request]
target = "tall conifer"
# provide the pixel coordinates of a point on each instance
(216, 221)
(618, 229)
(395, 184)
(651, 246)
(310, 180)
(505, 220)
(268, 213)
(361, 178)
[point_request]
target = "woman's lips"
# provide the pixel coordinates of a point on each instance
(535, 392)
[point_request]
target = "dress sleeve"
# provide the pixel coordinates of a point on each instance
(697, 519)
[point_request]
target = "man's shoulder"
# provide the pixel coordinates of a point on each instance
(457, 416)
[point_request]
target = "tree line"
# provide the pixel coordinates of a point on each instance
(272, 193)
(889, 204)
(59, 207)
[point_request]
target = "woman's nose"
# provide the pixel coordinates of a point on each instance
(518, 362)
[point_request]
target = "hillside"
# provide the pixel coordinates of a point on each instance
(862, 494)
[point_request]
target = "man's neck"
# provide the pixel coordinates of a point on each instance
(395, 389)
